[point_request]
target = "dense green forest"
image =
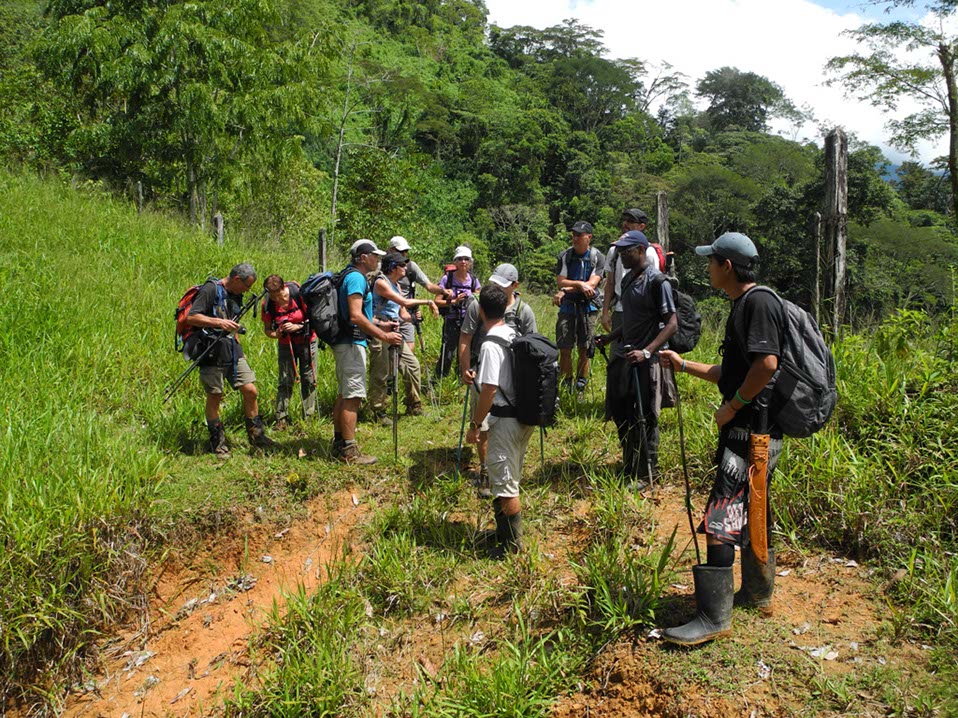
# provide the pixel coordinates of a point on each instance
(380, 117)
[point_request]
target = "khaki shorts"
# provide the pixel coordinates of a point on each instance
(213, 378)
(508, 440)
(350, 370)
(408, 331)
(575, 329)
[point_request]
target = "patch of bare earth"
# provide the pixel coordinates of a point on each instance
(193, 645)
(827, 622)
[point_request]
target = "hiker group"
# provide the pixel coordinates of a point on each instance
(776, 376)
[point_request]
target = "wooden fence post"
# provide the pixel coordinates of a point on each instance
(817, 289)
(662, 219)
(836, 218)
(139, 197)
(321, 242)
(218, 228)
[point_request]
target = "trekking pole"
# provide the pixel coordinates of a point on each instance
(685, 467)
(178, 382)
(425, 363)
(394, 351)
(640, 411)
(462, 430)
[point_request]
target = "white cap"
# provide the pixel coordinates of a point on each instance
(505, 275)
(365, 246)
(462, 251)
(399, 244)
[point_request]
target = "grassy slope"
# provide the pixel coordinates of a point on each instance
(95, 470)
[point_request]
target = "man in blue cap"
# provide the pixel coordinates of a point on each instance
(750, 354)
(634, 380)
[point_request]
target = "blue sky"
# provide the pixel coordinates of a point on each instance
(788, 41)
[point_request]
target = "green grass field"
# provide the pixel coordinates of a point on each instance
(98, 478)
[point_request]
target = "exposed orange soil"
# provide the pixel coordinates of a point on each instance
(193, 644)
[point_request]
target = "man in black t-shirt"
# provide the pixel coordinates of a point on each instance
(648, 320)
(750, 354)
(211, 313)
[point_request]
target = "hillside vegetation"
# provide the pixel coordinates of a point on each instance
(99, 478)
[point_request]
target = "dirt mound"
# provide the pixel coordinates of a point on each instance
(192, 644)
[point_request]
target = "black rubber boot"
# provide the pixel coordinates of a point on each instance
(758, 582)
(508, 534)
(713, 599)
(218, 443)
(257, 433)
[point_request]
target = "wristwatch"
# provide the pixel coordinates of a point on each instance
(473, 425)
(646, 354)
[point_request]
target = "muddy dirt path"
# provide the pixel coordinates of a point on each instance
(192, 646)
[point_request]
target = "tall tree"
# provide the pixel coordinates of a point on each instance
(739, 99)
(914, 60)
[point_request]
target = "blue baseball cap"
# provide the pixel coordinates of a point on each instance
(733, 246)
(632, 238)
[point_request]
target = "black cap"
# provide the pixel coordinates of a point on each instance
(635, 215)
(582, 227)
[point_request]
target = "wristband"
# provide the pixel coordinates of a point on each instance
(739, 397)
(682, 368)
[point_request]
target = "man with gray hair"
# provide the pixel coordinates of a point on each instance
(212, 312)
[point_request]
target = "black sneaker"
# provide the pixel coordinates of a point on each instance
(567, 383)
(580, 384)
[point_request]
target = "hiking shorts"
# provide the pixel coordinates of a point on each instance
(408, 331)
(726, 514)
(508, 440)
(575, 329)
(350, 370)
(213, 378)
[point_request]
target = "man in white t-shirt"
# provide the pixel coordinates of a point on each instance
(508, 439)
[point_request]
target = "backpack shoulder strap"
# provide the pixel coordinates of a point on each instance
(739, 307)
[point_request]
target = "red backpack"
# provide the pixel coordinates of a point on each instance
(661, 253)
(182, 311)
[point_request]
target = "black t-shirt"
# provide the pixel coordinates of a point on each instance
(755, 323)
(205, 303)
(644, 315)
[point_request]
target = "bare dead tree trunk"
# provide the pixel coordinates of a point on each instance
(836, 218)
(340, 142)
(817, 289)
(662, 220)
(321, 241)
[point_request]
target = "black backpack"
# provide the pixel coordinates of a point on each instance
(803, 392)
(535, 376)
(690, 321)
(321, 293)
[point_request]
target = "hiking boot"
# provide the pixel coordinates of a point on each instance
(257, 433)
(281, 425)
(758, 582)
(508, 535)
(218, 445)
(567, 383)
(580, 384)
(414, 409)
(381, 418)
(350, 454)
(713, 600)
(483, 489)
(337, 446)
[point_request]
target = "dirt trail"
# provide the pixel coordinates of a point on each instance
(193, 645)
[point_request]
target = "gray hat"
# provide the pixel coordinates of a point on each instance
(505, 275)
(733, 246)
(582, 227)
(365, 246)
(635, 215)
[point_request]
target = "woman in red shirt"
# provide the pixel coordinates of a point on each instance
(285, 319)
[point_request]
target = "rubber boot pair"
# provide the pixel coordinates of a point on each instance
(714, 586)
(257, 433)
(508, 534)
(218, 445)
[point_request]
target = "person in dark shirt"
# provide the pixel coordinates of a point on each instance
(648, 320)
(750, 354)
(214, 305)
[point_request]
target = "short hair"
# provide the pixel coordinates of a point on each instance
(275, 281)
(243, 271)
(492, 301)
(743, 275)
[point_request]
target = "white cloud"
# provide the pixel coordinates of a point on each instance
(787, 41)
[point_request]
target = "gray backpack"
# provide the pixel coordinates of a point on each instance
(803, 393)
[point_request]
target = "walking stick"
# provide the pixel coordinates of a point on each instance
(640, 411)
(685, 467)
(178, 382)
(462, 430)
(394, 361)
